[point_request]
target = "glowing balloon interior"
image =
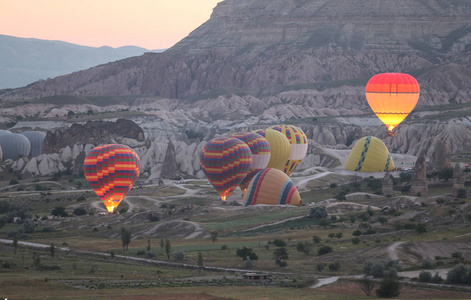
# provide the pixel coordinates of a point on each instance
(226, 162)
(111, 171)
(392, 96)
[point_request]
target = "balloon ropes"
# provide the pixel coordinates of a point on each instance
(369, 154)
(392, 96)
(111, 171)
(226, 162)
(298, 144)
(261, 154)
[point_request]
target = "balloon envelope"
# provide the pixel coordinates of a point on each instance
(226, 162)
(111, 171)
(392, 96)
(36, 139)
(279, 147)
(273, 187)
(369, 155)
(298, 144)
(13, 145)
(261, 153)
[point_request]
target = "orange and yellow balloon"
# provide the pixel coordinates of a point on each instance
(392, 96)
(111, 171)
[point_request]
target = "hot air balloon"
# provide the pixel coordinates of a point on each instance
(13, 145)
(279, 147)
(369, 155)
(392, 96)
(298, 143)
(226, 162)
(273, 187)
(260, 149)
(36, 139)
(111, 171)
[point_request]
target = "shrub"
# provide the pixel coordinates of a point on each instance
(80, 211)
(179, 255)
(334, 266)
(320, 267)
(356, 233)
(316, 239)
(427, 264)
(425, 276)
(150, 254)
(356, 241)
(318, 212)
(324, 250)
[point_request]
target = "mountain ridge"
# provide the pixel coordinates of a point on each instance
(26, 60)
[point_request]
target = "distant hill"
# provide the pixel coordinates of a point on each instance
(24, 61)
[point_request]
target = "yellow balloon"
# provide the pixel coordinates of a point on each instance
(279, 147)
(369, 155)
(298, 143)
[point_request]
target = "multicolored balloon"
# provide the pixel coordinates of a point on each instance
(369, 154)
(392, 96)
(298, 142)
(273, 187)
(226, 162)
(261, 154)
(279, 147)
(111, 171)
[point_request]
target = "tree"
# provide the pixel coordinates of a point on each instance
(162, 245)
(15, 243)
(59, 211)
(168, 248)
(334, 266)
(214, 236)
(316, 239)
(459, 275)
(52, 249)
(148, 244)
(245, 252)
(280, 255)
(446, 173)
(339, 235)
(279, 243)
(389, 288)
(200, 262)
(377, 270)
(366, 285)
(304, 247)
(125, 238)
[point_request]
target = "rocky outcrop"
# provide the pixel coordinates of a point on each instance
(122, 131)
(169, 165)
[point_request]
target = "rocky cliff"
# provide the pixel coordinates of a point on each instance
(254, 46)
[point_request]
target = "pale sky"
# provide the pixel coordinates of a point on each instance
(151, 24)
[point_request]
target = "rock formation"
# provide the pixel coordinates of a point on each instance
(419, 184)
(93, 132)
(458, 181)
(169, 165)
